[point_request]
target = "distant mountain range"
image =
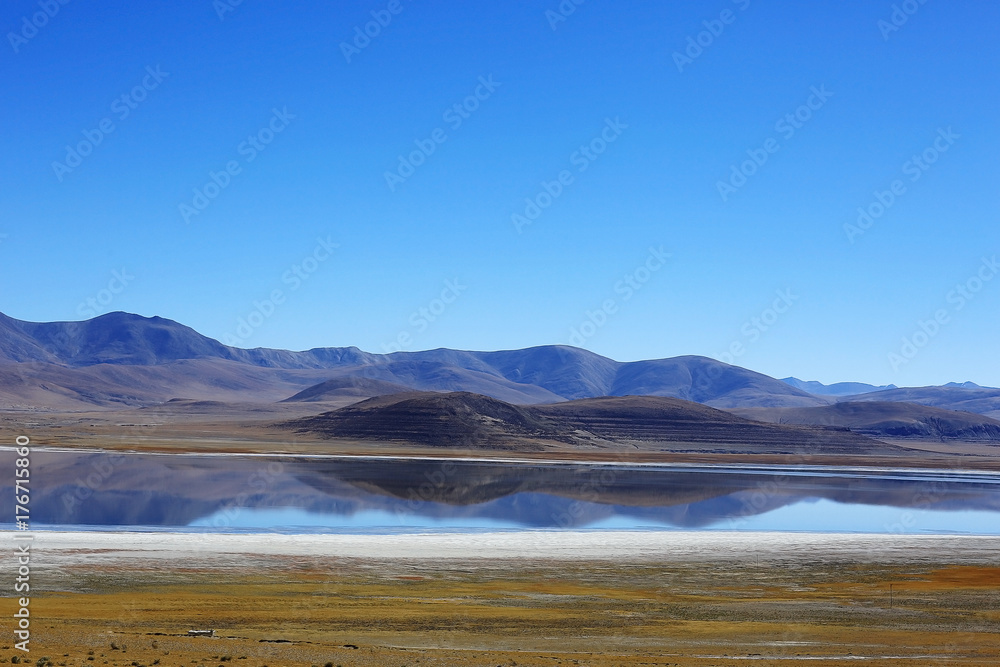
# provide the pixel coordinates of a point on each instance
(122, 360)
(836, 389)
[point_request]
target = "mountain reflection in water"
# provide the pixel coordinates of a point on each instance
(116, 489)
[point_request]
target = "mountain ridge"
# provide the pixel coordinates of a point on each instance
(90, 352)
(835, 389)
(121, 359)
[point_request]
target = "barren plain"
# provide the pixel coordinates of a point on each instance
(526, 598)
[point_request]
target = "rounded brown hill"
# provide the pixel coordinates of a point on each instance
(462, 419)
(455, 419)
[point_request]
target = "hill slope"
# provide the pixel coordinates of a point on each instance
(707, 381)
(887, 419)
(985, 401)
(466, 420)
(457, 419)
(126, 339)
(347, 387)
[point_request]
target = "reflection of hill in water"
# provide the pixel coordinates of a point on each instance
(174, 490)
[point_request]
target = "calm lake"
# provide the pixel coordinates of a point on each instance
(226, 493)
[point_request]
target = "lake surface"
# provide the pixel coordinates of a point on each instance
(295, 494)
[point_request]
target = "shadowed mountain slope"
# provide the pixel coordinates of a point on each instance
(985, 401)
(346, 387)
(462, 419)
(459, 419)
(885, 419)
(28, 386)
(708, 381)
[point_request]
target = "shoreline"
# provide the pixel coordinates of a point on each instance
(531, 599)
(722, 465)
(67, 548)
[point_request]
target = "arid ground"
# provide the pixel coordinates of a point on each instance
(515, 599)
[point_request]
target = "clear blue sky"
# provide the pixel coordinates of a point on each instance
(678, 127)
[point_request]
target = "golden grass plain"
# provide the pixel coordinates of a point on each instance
(290, 610)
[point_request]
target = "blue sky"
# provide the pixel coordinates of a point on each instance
(640, 136)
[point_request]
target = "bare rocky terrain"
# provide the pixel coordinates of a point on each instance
(469, 420)
(887, 420)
